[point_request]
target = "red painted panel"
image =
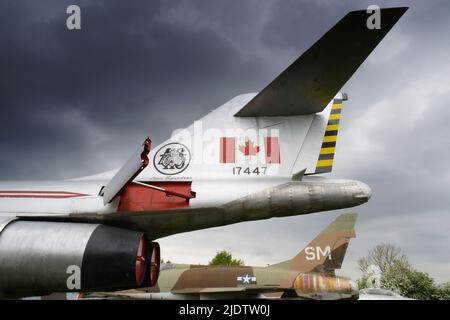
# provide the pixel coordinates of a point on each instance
(139, 198)
(272, 150)
(227, 150)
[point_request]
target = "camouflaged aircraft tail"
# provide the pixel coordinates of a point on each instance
(326, 252)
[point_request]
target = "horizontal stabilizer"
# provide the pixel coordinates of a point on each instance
(309, 84)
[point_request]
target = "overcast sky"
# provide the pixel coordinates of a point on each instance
(76, 103)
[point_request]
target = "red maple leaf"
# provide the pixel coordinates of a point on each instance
(249, 148)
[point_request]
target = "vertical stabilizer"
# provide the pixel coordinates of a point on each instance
(326, 251)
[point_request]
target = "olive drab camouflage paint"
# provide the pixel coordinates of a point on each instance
(309, 275)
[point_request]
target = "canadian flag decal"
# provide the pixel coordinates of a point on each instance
(231, 151)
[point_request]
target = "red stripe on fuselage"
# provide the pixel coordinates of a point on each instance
(40, 194)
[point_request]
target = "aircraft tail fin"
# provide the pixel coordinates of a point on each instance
(326, 252)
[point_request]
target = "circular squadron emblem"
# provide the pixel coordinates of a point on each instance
(172, 158)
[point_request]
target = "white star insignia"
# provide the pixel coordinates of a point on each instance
(246, 279)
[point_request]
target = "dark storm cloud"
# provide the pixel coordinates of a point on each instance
(76, 103)
(127, 71)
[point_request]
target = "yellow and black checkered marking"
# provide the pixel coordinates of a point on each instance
(326, 155)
